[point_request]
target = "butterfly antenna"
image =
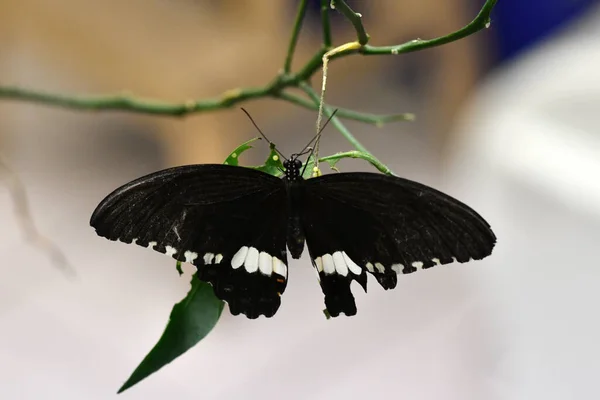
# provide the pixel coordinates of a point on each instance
(316, 138)
(262, 134)
(319, 133)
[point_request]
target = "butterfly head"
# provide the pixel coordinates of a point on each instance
(293, 168)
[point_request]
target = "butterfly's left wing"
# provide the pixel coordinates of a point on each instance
(230, 222)
(364, 222)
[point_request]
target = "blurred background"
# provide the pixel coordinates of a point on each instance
(507, 121)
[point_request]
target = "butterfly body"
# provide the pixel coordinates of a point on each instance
(293, 184)
(234, 224)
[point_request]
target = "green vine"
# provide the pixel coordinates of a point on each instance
(278, 88)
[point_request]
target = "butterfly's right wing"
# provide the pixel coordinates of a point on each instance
(356, 223)
(230, 222)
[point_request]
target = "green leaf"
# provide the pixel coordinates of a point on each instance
(333, 163)
(190, 321)
(272, 165)
(233, 157)
(309, 166)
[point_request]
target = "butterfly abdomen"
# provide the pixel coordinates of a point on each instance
(295, 234)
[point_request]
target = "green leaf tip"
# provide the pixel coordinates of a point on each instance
(272, 165)
(190, 321)
(232, 159)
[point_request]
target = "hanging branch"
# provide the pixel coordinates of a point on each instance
(277, 88)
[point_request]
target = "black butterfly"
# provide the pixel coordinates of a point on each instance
(233, 223)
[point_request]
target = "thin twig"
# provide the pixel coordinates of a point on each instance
(287, 67)
(126, 102)
(354, 18)
(334, 158)
(481, 21)
(325, 62)
(377, 120)
(324, 86)
(326, 24)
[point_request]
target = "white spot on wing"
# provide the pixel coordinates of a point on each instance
(265, 263)
(134, 241)
(238, 258)
(370, 267)
(251, 263)
(170, 251)
(218, 258)
(190, 256)
(328, 265)
(418, 265)
(352, 266)
(319, 264)
(436, 261)
(208, 258)
(151, 245)
(279, 267)
(339, 263)
(380, 267)
(398, 268)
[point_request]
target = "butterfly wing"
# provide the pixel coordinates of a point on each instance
(230, 222)
(363, 222)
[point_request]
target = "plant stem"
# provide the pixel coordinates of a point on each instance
(126, 102)
(378, 120)
(334, 158)
(325, 24)
(481, 21)
(287, 67)
(354, 18)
